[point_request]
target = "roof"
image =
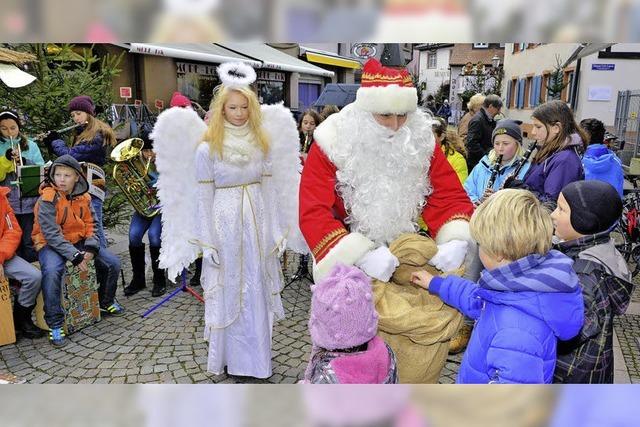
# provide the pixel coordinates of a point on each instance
(339, 94)
(206, 52)
(432, 46)
(463, 53)
(274, 59)
(9, 56)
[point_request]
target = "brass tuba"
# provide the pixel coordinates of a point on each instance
(131, 175)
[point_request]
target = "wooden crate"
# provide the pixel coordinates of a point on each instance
(7, 328)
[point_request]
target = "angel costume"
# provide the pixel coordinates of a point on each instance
(245, 205)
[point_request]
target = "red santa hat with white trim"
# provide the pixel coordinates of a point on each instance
(385, 90)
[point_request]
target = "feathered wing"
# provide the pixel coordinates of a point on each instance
(282, 176)
(176, 135)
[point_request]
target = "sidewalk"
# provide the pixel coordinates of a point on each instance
(167, 347)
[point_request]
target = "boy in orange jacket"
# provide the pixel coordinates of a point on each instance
(16, 268)
(64, 231)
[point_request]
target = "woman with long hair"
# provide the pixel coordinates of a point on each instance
(556, 163)
(452, 147)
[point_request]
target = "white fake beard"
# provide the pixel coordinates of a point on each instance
(383, 176)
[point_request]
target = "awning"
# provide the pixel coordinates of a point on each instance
(339, 94)
(205, 52)
(586, 49)
(273, 59)
(329, 58)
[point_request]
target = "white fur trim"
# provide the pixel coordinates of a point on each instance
(236, 74)
(325, 134)
(348, 251)
(458, 229)
(391, 99)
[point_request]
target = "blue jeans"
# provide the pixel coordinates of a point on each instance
(139, 225)
(53, 267)
(99, 230)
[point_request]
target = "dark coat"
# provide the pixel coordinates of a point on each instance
(478, 141)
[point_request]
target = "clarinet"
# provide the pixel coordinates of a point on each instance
(494, 172)
(523, 160)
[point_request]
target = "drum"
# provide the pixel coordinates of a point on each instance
(79, 300)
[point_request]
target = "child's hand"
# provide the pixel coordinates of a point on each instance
(88, 256)
(421, 278)
(83, 266)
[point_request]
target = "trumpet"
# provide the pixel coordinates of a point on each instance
(494, 172)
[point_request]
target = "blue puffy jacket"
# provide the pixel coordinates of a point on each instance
(86, 151)
(521, 310)
(602, 164)
(476, 182)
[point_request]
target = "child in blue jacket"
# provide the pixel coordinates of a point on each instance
(527, 297)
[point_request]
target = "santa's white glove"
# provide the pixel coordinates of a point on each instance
(450, 255)
(379, 263)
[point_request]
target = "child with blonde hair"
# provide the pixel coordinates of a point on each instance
(527, 297)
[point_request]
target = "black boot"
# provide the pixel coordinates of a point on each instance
(159, 280)
(137, 265)
(195, 279)
(24, 324)
(304, 265)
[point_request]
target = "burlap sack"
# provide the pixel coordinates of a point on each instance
(416, 324)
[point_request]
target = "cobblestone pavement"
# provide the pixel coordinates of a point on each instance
(167, 347)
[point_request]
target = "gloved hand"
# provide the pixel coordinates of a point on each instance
(513, 182)
(9, 154)
(379, 263)
(49, 138)
(450, 255)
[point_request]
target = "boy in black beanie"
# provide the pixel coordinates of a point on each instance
(586, 213)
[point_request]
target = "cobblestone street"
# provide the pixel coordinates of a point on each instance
(167, 346)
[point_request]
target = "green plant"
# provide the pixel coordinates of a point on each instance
(556, 81)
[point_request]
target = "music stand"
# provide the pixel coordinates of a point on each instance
(300, 274)
(183, 288)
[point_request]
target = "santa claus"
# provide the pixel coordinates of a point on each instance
(374, 169)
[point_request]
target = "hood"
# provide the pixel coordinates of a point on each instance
(82, 186)
(574, 140)
(4, 191)
(607, 254)
(545, 287)
(597, 158)
(366, 367)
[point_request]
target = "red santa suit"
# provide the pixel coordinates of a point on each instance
(354, 198)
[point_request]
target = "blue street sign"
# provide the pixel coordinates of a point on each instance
(603, 67)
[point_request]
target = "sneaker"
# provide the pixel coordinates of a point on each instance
(57, 337)
(115, 309)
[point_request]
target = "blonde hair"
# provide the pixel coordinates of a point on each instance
(214, 135)
(519, 152)
(475, 102)
(512, 224)
(95, 126)
(449, 139)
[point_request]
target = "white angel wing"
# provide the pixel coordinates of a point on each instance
(282, 180)
(176, 135)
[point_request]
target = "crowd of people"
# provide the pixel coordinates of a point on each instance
(418, 233)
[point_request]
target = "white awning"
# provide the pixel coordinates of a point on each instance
(274, 59)
(205, 52)
(586, 49)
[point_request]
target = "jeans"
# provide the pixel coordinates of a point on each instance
(26, 250)
(53, 268)
(139, 225)
(99, 230)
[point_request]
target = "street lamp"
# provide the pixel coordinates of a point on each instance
(495, 61)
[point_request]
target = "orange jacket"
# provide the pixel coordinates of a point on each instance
(72, 216)
(10, 231)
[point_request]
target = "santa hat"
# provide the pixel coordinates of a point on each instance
(179, 100)
(386, 90)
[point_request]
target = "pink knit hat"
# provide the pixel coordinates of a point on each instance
(342, 310)
(179, 100)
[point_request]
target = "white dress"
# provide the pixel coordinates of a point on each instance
(235, 215)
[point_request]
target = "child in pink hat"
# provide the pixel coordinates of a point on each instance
(343, 327)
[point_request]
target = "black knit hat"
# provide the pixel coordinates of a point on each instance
(595, 206)
(509, 127)
(7, 114)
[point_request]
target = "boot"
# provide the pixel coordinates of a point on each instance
(195, 279)
(304, 265)
(24, 324)
(459, 342)
(137, 265)
(159, 280)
